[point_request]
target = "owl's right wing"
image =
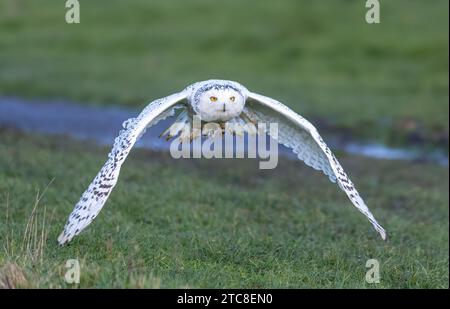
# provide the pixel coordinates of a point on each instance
(94, 198)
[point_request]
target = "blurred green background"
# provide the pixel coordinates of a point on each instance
(382, 81)
(224, 223)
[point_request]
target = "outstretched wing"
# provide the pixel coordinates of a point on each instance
(301, 136)
(93, 199)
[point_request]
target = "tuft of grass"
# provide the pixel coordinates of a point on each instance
(24, 247)
(12, 277)
(33, 237)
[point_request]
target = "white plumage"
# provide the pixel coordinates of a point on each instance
(213, 101)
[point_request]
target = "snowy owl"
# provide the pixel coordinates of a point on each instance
(223, 102)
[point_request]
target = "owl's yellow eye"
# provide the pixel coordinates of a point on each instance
(213, 99)
(232, 99)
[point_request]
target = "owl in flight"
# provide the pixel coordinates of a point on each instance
(223, 102)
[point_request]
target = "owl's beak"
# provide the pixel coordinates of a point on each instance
(224, 108)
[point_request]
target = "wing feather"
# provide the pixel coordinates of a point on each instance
(302, 137)
(94, 198)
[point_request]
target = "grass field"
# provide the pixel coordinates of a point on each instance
(225, 223)
(387, 81)
(199, 223)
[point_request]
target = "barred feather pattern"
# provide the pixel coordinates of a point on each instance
(94, 198)
(293, 137)
(300, 135)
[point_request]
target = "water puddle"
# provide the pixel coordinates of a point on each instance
(102, 124)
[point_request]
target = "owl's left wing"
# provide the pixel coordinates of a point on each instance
(302, 137)
(94, 198)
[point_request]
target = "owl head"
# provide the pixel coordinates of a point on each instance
(218, 101)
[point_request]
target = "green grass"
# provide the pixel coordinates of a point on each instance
(387, 81)
(223, 223)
